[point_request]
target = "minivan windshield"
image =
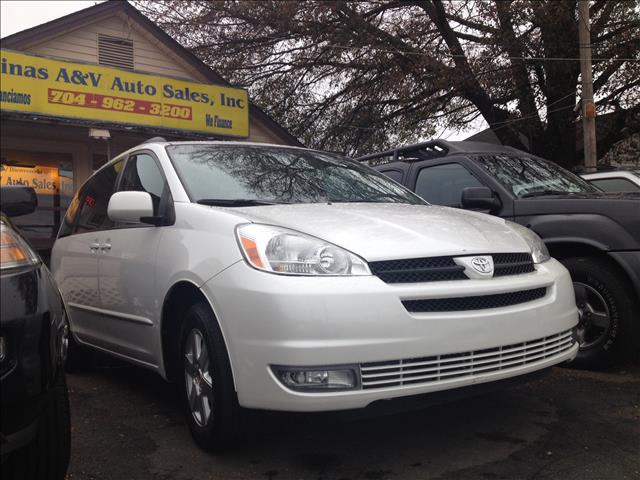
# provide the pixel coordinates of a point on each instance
(526, 175)
(239, 175)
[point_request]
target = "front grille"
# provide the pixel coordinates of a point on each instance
(436, 269)
(512, 264)
(480, 302)
(413, 270)
(427, 370)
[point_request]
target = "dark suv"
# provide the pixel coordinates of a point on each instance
(596, 235)
(35, 433)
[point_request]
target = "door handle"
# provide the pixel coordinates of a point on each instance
(94, 247)
(105, 247)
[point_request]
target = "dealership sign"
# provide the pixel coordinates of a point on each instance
(74, 90)
(44, 180)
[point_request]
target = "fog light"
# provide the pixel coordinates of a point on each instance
(3, 349)
(318, 378)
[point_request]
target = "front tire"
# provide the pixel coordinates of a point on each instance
(211, 404)
(606, 313)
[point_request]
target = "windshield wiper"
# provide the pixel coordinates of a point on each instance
(234, 202)
(541, 193)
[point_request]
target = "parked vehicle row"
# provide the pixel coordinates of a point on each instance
(35, 429)
(595, 234)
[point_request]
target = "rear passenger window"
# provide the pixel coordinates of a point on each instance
(443, 184)
(66, 227)
(395, 175)
(95, 199)
(142, 174)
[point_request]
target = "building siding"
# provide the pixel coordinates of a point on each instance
(82, 45)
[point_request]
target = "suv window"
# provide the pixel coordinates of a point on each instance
(95, 199)
(443, 184)
(395, 175)
(142, 174)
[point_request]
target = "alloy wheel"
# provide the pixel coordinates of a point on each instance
(198, 380)
(594, 317)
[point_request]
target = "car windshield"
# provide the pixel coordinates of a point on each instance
(241, 175)
(526, 175)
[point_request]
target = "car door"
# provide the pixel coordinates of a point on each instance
(127, 267)
(76, 252)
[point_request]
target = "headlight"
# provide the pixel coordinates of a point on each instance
(280, 250)
(14, 251)
(539, 250)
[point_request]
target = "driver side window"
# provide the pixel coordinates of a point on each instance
(142, 174)
(443, 184)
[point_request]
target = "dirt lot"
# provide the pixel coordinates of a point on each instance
(128, 424)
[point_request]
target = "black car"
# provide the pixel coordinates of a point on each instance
(596, 235)
(35, 430)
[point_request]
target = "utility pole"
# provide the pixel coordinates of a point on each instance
(588, 107)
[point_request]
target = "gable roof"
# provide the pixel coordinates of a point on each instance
(101, 11)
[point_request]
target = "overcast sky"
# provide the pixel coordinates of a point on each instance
(17, 15)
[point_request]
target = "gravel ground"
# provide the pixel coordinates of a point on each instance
(127, 423)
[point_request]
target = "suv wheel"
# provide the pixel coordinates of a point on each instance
(211, 403)
(605, 308)
(47, 456)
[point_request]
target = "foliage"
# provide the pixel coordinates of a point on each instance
(356, 77)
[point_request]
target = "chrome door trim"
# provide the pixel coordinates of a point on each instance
(123, 316)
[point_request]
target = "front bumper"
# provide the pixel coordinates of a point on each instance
(309, 321)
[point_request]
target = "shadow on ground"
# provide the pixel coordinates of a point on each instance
(128, 423)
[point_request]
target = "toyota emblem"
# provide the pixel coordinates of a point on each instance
(481, 264)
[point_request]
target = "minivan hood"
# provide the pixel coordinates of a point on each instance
(387, 231)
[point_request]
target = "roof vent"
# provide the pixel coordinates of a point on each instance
(115, 52)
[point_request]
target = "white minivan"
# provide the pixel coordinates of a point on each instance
(283, 278)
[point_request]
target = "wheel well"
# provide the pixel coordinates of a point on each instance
(179, 299)
(566, 250)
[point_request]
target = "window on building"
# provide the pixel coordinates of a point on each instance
(443, 184)
(115, 52)
(51, 176)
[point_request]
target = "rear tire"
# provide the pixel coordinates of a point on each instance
(606, 313)
(211, 404)
(47, 457)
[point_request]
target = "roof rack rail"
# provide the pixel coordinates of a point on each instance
(430, 149)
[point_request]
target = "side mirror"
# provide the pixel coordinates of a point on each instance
(479, 198)
(130, 207)
(16, 200)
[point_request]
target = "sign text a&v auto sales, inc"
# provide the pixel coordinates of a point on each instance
(74, 90)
